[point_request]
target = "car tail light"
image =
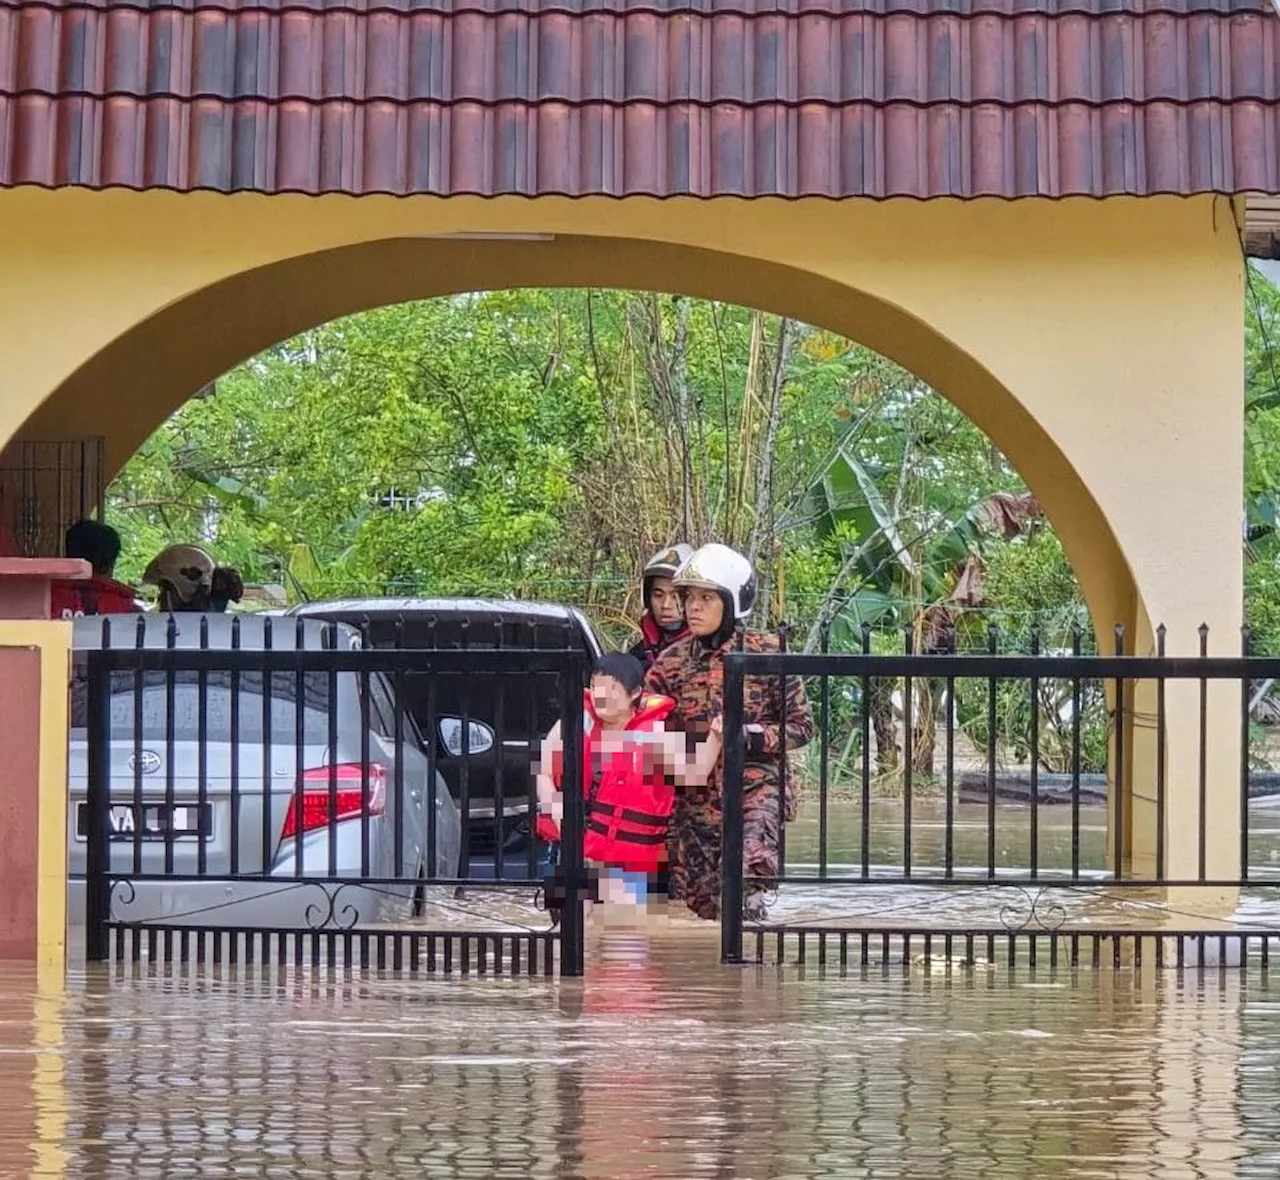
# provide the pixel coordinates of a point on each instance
(313, 798)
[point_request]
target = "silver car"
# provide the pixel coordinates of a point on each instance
(266, 860)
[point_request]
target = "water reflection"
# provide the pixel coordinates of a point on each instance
(659, 1064)
(1061, 840)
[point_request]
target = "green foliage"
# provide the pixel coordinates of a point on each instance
(1262, 462)
(1031, 579)
(549, 440)
(1055, 735)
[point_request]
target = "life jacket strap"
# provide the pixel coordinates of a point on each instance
(594, 825)
(625, 813)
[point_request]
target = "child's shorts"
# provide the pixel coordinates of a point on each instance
(634, 887)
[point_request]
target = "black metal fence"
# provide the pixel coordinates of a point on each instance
(255, 790)
(1044, 803)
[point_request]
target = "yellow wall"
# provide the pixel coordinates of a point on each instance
(1096, 342)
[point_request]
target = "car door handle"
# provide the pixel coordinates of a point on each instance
(416, 796)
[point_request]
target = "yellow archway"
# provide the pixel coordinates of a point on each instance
(1096, 342)
(189, 343)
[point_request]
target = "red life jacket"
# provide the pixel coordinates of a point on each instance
(654, 640)
(97, 596)
(628, 798)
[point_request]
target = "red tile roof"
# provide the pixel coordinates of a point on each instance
(835, 98)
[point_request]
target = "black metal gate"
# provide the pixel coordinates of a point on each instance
(254, 791)
(970, 862)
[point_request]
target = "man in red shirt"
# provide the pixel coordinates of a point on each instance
(662, 623)
(99, 545)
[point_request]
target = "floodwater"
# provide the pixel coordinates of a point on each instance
(846, 900)
(1061, 842)
(661, 1063)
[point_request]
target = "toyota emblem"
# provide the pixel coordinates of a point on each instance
(148, 762)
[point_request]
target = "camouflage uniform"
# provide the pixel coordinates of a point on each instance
(693, 675)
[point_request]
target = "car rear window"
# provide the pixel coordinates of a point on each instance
(151, 687)
(527, 705)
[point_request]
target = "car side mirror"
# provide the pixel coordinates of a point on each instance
(479, 736)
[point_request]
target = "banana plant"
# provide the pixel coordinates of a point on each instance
(889, 561)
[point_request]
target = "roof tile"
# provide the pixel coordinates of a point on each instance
(835, 98)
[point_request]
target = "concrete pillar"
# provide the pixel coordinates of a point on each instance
(35, 670)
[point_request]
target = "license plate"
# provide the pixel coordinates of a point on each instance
(154, 821)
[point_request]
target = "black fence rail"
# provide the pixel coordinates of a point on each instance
(942, 951)
(411, 952)
(1013, 791)
(247, 789)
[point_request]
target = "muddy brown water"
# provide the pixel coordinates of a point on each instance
(659, 1064)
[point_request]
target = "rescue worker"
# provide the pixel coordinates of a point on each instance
(99, 545)
(631, 766)
(719, 589)
(661, 625)
(662, 622)
(184, 576)
(226, 586)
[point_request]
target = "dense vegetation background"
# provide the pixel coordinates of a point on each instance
(542, 443)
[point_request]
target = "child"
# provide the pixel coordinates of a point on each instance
(631, 767)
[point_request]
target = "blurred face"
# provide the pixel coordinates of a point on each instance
(703, 611)
(613, 703)
(665, 604)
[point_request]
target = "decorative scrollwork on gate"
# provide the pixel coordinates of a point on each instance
(1036, 911)
(127, 896)
(329, 914)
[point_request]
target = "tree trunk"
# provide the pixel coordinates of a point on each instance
(762, 532)
(735, 526)
(885, 725)
(924, 729)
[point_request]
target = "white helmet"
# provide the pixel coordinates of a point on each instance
(665, 562)
(184, 567)
(717, 567)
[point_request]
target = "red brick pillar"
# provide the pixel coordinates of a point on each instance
(34, 675)
(25, 583)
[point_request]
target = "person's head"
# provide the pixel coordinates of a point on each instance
(719, 589)
(661, 598)
(225, 586)
(616, 680)
(96, 543)
(184, 576)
